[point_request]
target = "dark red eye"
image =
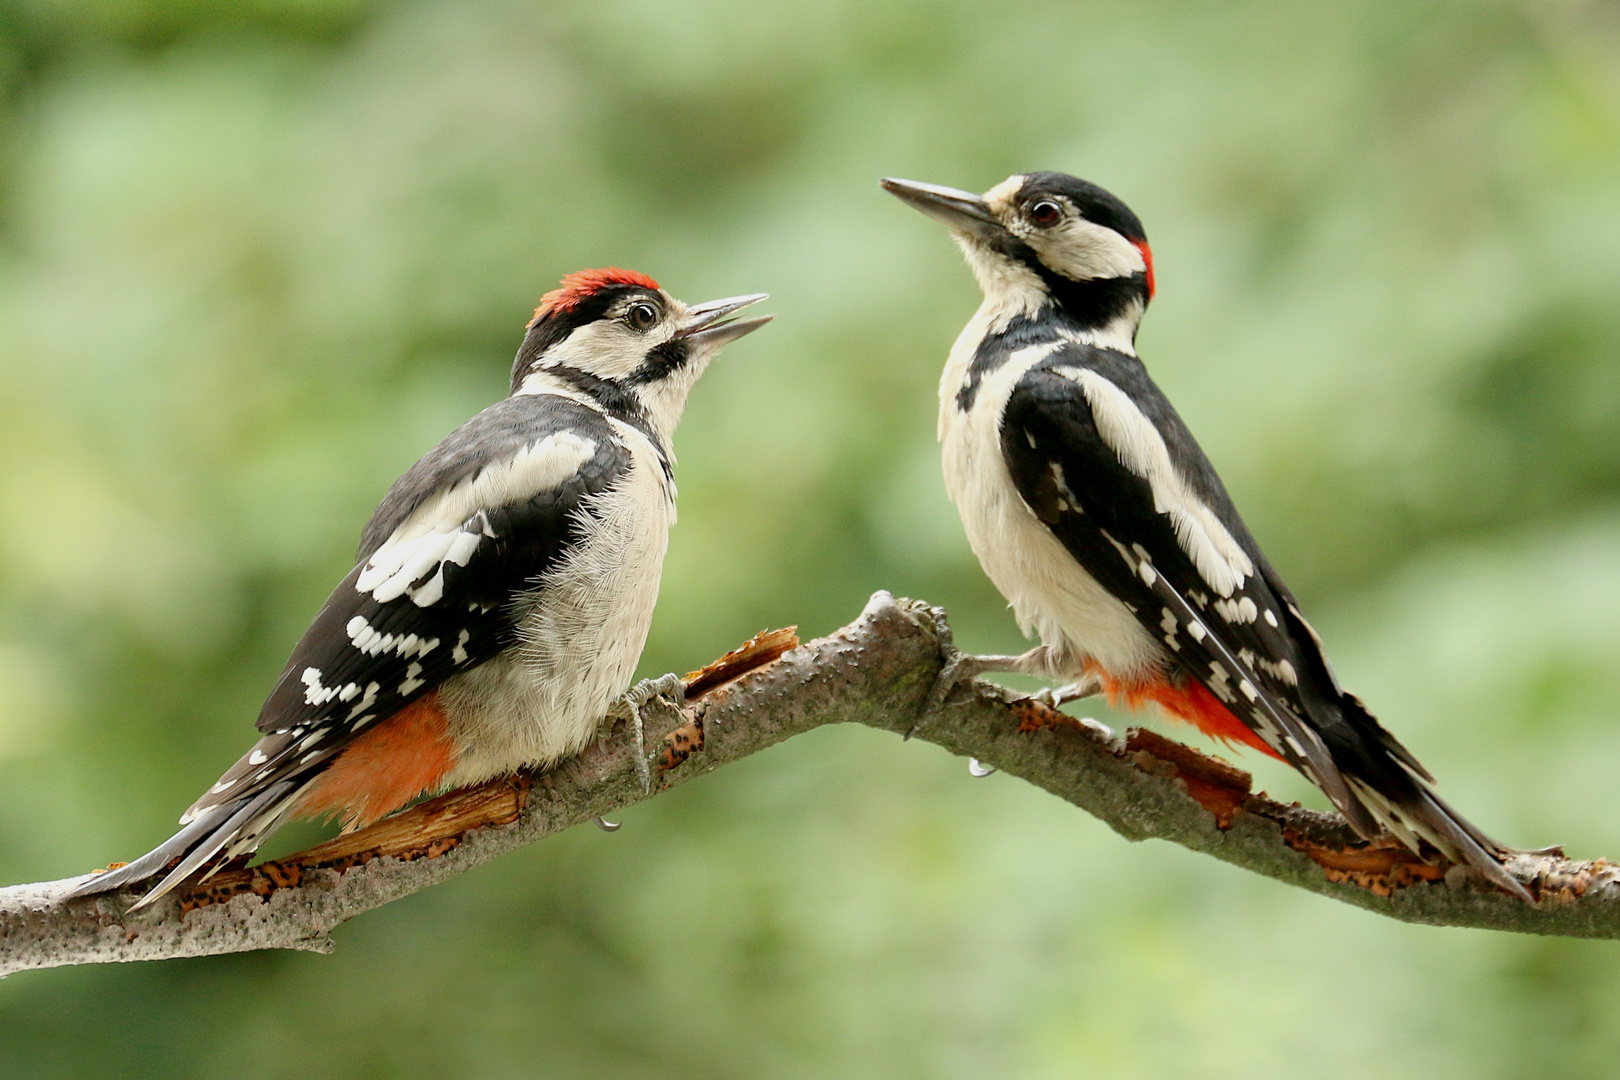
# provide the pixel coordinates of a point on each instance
(641, 317)
(1046, 213)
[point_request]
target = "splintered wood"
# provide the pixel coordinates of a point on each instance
(1380, 867)
(765, 647)
(874, 671)
(1220, 788)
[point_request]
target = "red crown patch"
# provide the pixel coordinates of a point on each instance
(580, 284)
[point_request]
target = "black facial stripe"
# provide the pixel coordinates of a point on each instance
(614, 398)
(662, 361)
(1096, 302)
(1091, 303)
(618, 402)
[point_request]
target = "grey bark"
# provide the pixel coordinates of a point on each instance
(876, 671)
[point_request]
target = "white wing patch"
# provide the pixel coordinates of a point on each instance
(318, 695)
(400, 562)
(315, 693)
(369, 641)
(449, 528)
(1241, 610)
(1140, 447)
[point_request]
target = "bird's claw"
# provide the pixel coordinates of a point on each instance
(950, 673)
(960, 665)
(1055, 697)
(671, 690)
(957, 667)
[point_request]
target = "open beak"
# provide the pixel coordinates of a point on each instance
(962, 211)
(709, 324)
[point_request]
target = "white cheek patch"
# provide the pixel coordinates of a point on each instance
(1081, 250)
(1140, 448)
(449, 528)
(606, 348)
(603, 348)
(542, 381)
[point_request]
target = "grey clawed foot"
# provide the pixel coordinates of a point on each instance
(958, 666)
(670, 690)
(949, 675)
(1055, 697)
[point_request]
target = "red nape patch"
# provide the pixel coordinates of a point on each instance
(582, 283)
(1190, 703)
(1147, 259)
(385, 767)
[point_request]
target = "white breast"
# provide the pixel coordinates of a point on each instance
(1048, 591)
(580, 641)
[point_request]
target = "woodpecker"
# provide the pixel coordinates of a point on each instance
(502, 592)
(1096, 514)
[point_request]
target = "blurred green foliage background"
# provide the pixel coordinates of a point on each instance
(257, 256)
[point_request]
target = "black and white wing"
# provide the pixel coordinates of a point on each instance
(1102, 458)
(443, 567)
(459, 538)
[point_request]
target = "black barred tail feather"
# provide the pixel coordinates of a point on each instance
(1385, 781)
(1405, 805)
(1430, 818)
(212, 837)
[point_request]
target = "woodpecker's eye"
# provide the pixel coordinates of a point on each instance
(1045, 213)
(641, 316)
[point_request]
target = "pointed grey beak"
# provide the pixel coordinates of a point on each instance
(962, 211)
(706, 323)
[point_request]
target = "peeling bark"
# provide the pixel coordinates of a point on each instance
(876, 671)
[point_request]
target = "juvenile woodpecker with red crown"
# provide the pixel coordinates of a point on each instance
(1096, 514)
(502, 592)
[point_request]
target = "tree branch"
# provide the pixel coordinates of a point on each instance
(876, 671)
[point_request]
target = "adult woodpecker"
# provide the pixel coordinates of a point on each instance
(502, 592)
(1094, 511)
